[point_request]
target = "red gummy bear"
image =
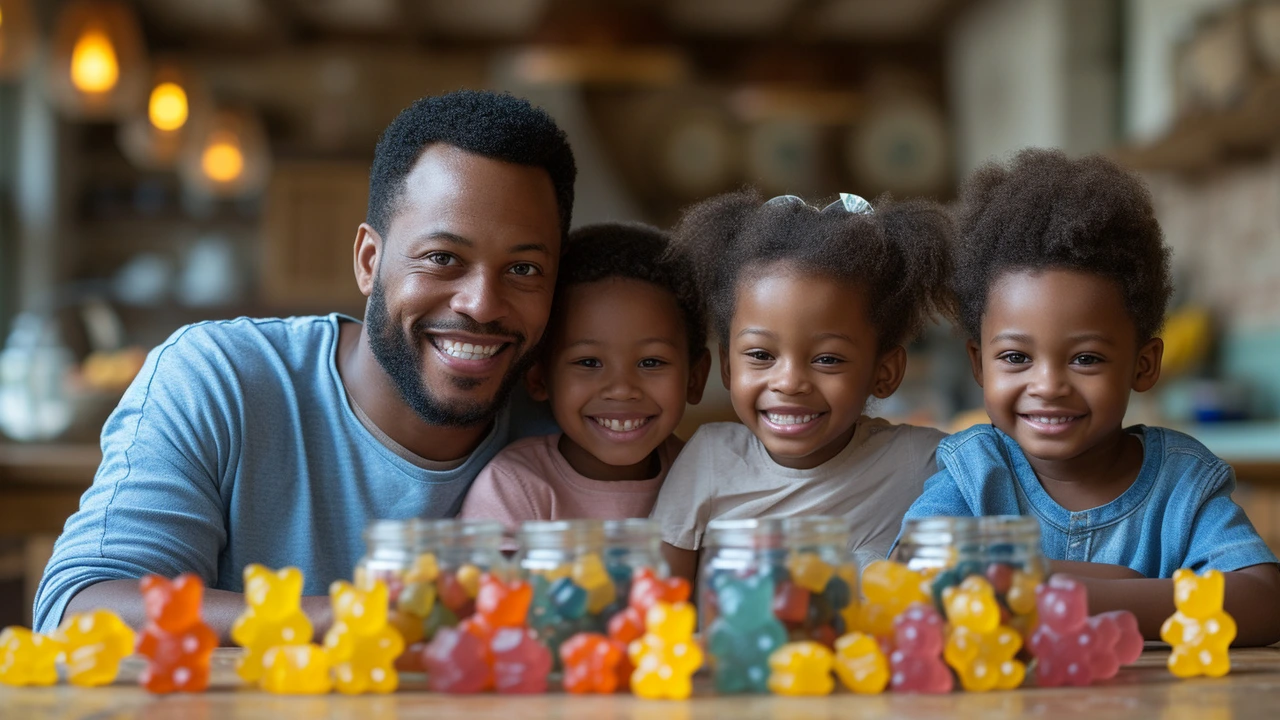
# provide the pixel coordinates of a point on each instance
(916, 661)
(627, 625)
(520, 663)
(790, 602)
(590, 664)
(1128, 642)
(457, 662)
(1074, 649)
(647, 589)
(454, 596)
(176, 642)
(503, 604)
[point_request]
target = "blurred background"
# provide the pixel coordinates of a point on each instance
(169, 161)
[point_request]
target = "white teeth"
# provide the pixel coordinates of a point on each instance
(621, 425)
(790, 419)
(1050, 420)
(467, 351)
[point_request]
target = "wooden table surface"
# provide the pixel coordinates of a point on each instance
(1146, 690)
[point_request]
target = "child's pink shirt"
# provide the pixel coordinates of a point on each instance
(531, 480)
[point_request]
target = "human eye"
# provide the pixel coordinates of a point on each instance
(443, 259)
(592, 363)
(1086, 359)
(525, 269)
(1014, 358)
(828, 360)
(758, 355)
(652, 363)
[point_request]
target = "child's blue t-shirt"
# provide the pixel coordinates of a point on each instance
(1178, 512)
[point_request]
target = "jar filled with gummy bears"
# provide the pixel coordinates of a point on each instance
(995, 554)
(632, 546)
(400, 554)
(765, 582)
(563, 560)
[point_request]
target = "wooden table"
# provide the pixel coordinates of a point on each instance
(1146, 690)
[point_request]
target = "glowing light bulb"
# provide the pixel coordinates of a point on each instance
(222, 161)
(94, 68)
(168, 106)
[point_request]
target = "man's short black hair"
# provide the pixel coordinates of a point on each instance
(495, 125)
(632, 251)
(1045, 211)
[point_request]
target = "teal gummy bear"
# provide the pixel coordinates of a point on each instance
(570, 601)
(542, 611)
(742, 658)
(745, 603)
(837, 593)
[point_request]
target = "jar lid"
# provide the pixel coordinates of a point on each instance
(779, 532)
(632, 531)
(988, 530)
(567, 534)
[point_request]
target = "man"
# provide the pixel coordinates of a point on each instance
(275, 441)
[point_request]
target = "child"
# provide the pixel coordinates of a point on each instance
(811, 309)
(625, 350)
(1061, 279)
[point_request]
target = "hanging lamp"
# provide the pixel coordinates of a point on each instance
(226, 155)
(97, 62)
(154, 135)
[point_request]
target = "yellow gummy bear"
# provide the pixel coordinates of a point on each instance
(95, 643)
(984, 661)
(27, 658)
(469, 578)
(273, 616)
(296, 670)
(590, 575)
(1200, 631)
(861, 664)
(972, 605)
(801, 668)
(665, 657)
(809, 571)
(1022, 592)
(362, 647)
(424, 569)
(888, 587)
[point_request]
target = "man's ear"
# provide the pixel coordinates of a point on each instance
(368, 249)
(698, 372)
(975, 360)
(890, 369)
(724, 366)
(1147, 371)
(535, 381)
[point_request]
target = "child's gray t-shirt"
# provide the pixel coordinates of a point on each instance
(725, 473)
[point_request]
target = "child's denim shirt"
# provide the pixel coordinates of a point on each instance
(1178, 512)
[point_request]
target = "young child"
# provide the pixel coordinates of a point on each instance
(1061, 280)
(625, 350)
(811, 309)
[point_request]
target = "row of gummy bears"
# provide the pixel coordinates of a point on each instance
(901, 640)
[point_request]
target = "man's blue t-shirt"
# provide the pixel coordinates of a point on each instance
(236, 444)
(1177, 513)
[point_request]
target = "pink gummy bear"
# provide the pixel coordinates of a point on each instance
(1074, 649)
(520, 663)
(457, 661)
(916, 661)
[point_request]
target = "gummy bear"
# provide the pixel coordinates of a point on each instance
(972, 605)
(1021, 596)
(1200, 631)
(503, 604)
(273, 616)
(590, 664)
(916, 660)
(647, 589)
(362, 647)
(94, 643)
(666, 657)
(176, 642)
(457, 662)
(790, 602)
(417, 599)
(627, 625)
(296, 670)
(520, 663)
(1073, 649)
(568, 598)
(745, 634)
(589, 574)
(860, 664)
(984, 661)
(802, 668)
(809, 571)
(27, 658)
(451, 593)
(469, 578)
(425, 569)
(889, 587)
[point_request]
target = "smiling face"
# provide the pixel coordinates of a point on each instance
(618, 376)
(462, 283)
(1058, 357)
(802, 362)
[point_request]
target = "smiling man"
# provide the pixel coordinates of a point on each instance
(276, 441)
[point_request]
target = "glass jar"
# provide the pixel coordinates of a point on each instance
(572, 590)
(631, 546)
(466, 549)
(399, 553)
(1003, 549)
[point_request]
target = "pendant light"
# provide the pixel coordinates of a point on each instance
(17, 37)
(226, 155)
(154, 135)
(98, 67)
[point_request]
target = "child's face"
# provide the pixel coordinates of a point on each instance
(1058, 357)
(801, 363)
(618, 375)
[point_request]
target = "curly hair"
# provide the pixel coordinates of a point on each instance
(897, 254)
(495, 125)
(632, 251)
(1046, 211)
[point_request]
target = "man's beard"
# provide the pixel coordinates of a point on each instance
(401, 359)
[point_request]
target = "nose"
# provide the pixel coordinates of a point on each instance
(620, 384)
(790, 378)
(1049, 381)
(479, 296)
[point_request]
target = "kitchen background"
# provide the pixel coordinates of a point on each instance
(169, 161)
